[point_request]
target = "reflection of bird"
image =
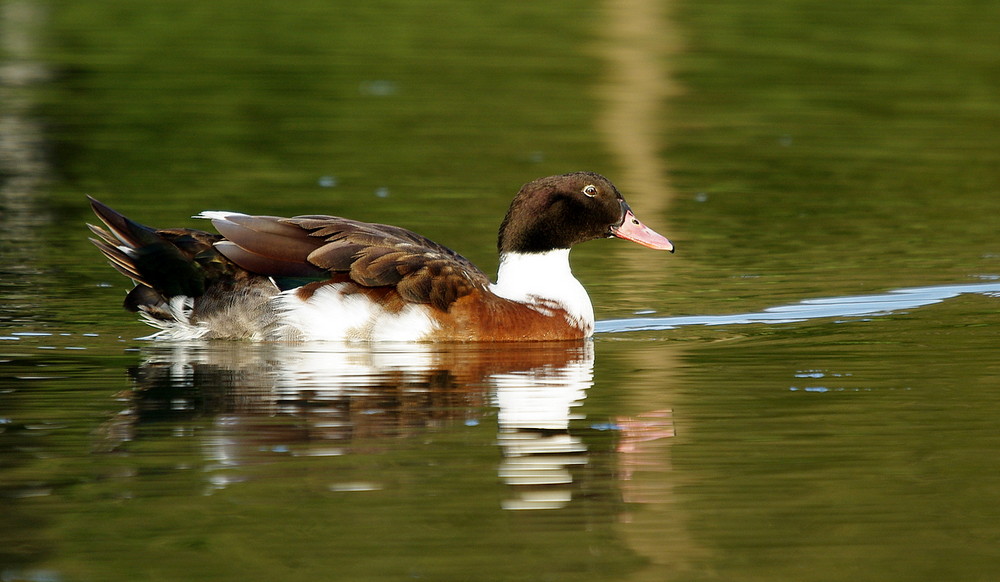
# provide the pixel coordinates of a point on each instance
(334, 393)
(261, 402)
(331, 278)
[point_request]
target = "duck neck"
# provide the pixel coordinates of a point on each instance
(543, 278)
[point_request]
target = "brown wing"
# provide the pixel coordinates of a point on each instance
(372, 255)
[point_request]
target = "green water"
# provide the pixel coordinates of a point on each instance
(800, 150)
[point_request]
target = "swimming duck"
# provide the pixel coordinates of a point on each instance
(318, 277)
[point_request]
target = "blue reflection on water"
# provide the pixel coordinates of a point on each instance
(827, 307)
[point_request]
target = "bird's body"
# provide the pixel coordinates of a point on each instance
(323, 277)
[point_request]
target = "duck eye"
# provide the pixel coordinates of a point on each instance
(590, 190)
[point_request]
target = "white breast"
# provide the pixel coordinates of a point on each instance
(543, 280)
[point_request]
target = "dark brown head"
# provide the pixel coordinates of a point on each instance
(560, 211)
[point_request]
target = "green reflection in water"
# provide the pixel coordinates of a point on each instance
(830, 148)
(852, 449)
(817, 150)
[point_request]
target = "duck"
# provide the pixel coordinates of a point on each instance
(329, 278)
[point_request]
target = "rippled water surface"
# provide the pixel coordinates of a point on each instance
(807, 390)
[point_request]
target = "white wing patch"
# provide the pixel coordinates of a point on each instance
(216, 214)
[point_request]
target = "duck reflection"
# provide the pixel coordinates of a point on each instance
(347, 399)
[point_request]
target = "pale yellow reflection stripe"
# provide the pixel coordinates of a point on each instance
(638, 42)
(639, 39)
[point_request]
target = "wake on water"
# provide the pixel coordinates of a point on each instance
(824, 308)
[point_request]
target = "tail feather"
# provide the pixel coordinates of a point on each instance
(127, 231)
(184, 286)
(116, 253)
(103, 235)
(168, 263)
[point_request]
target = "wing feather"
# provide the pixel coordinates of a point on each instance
(266, 265)
(372, 255)
(267, 236)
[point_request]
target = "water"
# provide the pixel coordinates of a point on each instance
(805, 391)
(827, 307)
